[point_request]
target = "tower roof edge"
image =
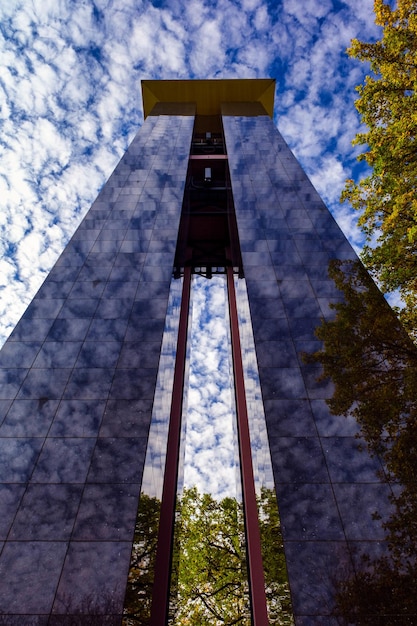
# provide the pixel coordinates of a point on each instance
(208, 95)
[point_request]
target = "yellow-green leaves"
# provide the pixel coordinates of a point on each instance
(387, 198)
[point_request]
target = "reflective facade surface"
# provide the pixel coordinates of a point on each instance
(78, 378)
(328, 485)
(77, 385)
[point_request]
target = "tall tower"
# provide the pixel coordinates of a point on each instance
(78, 374)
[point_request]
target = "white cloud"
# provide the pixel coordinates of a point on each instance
(348, 222)
(330, 178)
(309, 12)
(210, 442)
(261, 20)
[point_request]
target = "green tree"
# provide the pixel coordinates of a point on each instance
(211, 577)
(387, 198)
(209, 584)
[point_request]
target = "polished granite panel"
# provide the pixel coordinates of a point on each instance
(106, 329)
(316, 388)
(117, 460)
(10, 382)
(10, 497)
(69, 329)
(315, 568)
(281, 382)
(296, 418)
(153, 289)
(329, 425)
(18, 457)
(89, 383)
(302, 306)
(126, 418)
(298, 460)
(4, 407)
(150, 309)
(44, 308)
(349, 462)
(309, 512)
(75, 309)
(77, 382)
(274, 329)
(104, 354)
(265, 289)
(64, 460)
(29, 418)
(56, 354)
(107, 512)
(144, 329)
(266, 309)
(140, 354)
(78, 418)
(133, 384)
(277, 354)
(29, 574)
(46, 513)
(87, 289)
(371, 499)
(316, 620)
(93, 578)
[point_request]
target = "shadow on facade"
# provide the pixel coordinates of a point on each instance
(373, 365)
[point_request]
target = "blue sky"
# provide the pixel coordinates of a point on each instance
(210, 455)
(209, 449)
(70, 102)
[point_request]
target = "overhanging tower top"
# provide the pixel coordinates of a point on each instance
(208, 95)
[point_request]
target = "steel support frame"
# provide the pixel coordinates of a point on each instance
(250, 508)
(161, 586)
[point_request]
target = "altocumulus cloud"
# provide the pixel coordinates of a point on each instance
(70, 101)
(210, 441)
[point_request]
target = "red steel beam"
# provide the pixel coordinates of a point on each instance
(161, 585)
(253, 537)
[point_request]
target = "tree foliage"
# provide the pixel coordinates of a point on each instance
(211, 576)
(210, 568)
(387, 197)
(209, 584)
(373, 365)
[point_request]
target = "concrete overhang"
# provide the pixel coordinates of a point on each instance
(208, 95)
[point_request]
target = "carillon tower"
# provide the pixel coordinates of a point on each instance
(207, 188)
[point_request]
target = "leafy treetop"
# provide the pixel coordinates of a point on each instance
(387, 197)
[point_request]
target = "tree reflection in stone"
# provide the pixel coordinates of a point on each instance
(137, 607)
(373, 365)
